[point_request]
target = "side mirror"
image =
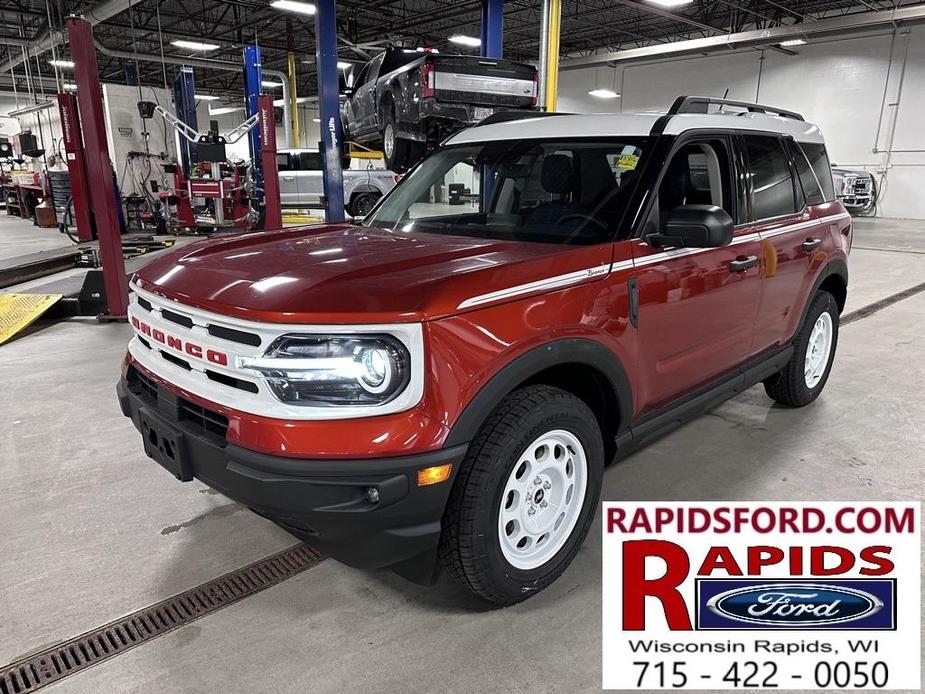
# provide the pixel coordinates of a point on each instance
(695, 226)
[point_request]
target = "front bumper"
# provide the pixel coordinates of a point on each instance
(322, 502)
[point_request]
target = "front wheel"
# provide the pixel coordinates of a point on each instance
(804, 377)
(525, 495)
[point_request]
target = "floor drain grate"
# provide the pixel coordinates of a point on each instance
(870, 309)
(63, 659)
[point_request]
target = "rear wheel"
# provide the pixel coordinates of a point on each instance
(804, 377)
(363, 203)
(399, 153)
(525, 495)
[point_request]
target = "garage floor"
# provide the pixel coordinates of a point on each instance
(92, 530)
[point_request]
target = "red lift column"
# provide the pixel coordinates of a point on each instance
(76, 167)
(273, 216)
(98, 164)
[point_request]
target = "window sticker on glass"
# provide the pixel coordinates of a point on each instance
(627, 161)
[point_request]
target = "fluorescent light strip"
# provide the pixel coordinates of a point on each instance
(462, 40)
(195, 45)
(604, 93)
(293, 6)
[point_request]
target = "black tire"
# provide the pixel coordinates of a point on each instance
(788, 386)
(395, 149)
(470, 548)
(362, 203)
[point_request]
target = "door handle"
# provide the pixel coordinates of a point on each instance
(288, 178)
(742, 263)
(809, 245)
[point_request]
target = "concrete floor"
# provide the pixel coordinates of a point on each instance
(92, 530)
(20, 237)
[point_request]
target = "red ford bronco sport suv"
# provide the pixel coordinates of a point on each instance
(443, 381)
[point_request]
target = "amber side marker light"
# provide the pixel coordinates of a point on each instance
(434, 475)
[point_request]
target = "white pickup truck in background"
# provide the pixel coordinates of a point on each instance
(300, 184)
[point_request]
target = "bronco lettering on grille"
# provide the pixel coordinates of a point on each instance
(191, 348)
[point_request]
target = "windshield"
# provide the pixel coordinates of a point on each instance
(567, 192)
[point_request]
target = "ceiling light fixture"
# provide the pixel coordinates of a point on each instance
(792, 42)
(62, 63)
(195, 45)
(671, 3)
(342, 65)
(270, 85)
(293, 6)
(205, 97)
(604, 93)
(463, 40)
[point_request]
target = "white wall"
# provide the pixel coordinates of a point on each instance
(838, 84)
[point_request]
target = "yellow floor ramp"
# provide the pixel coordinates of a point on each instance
(19, 310)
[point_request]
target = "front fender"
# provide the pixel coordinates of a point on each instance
(582, 351)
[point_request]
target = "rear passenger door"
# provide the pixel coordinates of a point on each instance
(777, 210)
(697, 306)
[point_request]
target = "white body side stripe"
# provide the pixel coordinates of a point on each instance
(560, 281)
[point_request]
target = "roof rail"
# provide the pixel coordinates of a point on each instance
(700, 104)
(505, 116)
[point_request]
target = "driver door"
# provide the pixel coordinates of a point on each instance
(697, 306)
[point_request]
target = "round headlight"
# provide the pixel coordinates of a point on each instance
(377, 369)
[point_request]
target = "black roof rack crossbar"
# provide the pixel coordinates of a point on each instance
(505, 116)
(700, 104)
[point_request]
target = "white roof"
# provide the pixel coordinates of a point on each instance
(634, 125)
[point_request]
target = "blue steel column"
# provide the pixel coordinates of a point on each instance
(492, 28)
(492, 38)
(184, 101)
(329, 106)
(253, 76)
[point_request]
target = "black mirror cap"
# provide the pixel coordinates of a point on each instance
(696, 226)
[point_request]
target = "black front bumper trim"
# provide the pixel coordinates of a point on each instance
(322, 502)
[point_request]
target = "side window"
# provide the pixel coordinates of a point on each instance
(362, 77)
(819, 160)
(811, 189)
(311, 161)
(698, 174)
(773, 191)
(372, 69)
(283, 161)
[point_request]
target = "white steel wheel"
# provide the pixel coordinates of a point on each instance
(818, 350)
(542, 499)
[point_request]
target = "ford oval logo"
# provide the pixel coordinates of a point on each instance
(794, 604)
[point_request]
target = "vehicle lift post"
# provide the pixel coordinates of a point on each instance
(492, 28)
(492, 47)
(184, 100)
(76, 166)
(332, 131)
(98, 165)
(253, 76)
(273, 214)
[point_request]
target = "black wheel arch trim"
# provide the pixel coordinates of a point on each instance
(583, 351)
(837, 267)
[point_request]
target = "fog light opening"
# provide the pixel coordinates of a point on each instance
(434, 475)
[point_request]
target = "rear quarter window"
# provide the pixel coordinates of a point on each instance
(819, 160)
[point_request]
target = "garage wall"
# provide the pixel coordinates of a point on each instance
(838, 84)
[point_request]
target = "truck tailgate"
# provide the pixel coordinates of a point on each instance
(483, 81)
